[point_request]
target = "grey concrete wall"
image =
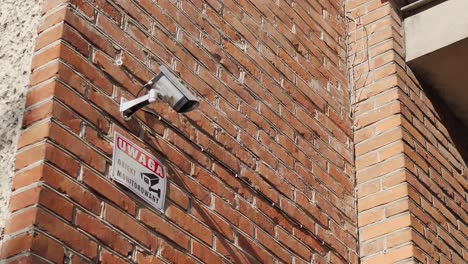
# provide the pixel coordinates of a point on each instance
(18, 23)
(436, 42)
(435, 28)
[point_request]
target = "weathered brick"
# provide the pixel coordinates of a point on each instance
(108, 190)
(103, 233)
(66, 233)
(108, 258)
(173, 255)
(267, 168)
(188, 223)
(131, 227)
(165, 228)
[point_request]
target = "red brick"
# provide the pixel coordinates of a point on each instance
(26, 259)
(295, 151)
(295, 213)
(165, 228)
(46, 55)
(276, 174)
(202, 122)
(50, 5)
(16, 245)
(54, 17)
(199, 54)
(229, 178)
(111, 107)
(73, 79)
(40, 93)
(175, 256)
(50, 153)
(114, 31)
(204, 253)
(133, 11)
(273, 245)
(162, 18)
(71, 189)
(277, 121)
(239, 89)
(233, 253)
(27, 176)
(312, 208)
(21, 220)
(260, 185)
(189, 224)
(34, 134)
(66, 118)
(392, 224)
(98, 140)
(131, 227)
(44, 73)
(76, 259)
(308, 119)
(256, 216)
(254, 249)
(66, 233)
(84, 7)
(90, 32)
(218, 151)
(81, 106)
(47, 248)
(109, 10)
(176, 195)
(269, 175)
(180, 18)
(152, 121)
(258, 149)
(275, 149)
(215, 222)
(82, 66)
(293, 244)
(102, 232)
(110, 258)
(77, 147)
(234, 217)
(213, 184)
(237, 149)
(169, 151)
(119, 76)
(147, 259)
(45, 197)
(192, 187)
(274, 214)
(188, 148)
(109, 190)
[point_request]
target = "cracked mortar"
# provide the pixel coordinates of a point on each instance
(18, 24)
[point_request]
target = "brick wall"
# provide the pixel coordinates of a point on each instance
(262, 171)
(410, 150)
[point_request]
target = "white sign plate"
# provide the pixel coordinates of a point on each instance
(139, 171)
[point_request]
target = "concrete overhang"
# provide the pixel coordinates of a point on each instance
(437, 51)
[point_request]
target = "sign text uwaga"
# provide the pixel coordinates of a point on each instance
(139, 171)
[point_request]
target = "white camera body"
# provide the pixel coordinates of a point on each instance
(164, 87)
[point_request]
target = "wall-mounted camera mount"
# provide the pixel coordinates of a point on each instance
(164, 87)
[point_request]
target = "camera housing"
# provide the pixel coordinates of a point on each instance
(164, 87)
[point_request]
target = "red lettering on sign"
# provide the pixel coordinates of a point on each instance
(136, 154)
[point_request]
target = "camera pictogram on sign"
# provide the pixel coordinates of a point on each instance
(152, 180)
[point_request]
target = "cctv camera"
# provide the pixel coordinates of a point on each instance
(174, 92)
(163, 87)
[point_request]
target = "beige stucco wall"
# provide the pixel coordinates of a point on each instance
(18, 23)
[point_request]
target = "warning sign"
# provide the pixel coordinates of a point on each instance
(139, 171)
